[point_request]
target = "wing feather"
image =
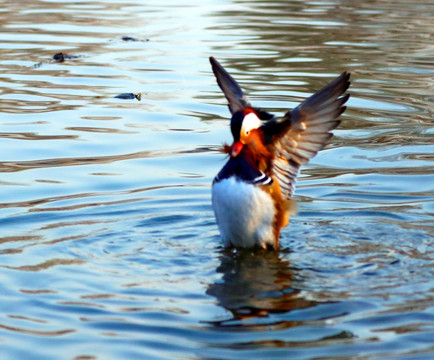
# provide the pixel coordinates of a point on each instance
(236, 98)
(303, 131)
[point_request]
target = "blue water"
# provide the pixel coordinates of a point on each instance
(108, 244)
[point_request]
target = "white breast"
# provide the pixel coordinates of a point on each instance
(244, 213)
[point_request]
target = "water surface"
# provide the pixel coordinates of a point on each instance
(109, 248)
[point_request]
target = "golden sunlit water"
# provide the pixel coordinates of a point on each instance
(108, 245)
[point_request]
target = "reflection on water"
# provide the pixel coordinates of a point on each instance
(255, 285)
(108, 244)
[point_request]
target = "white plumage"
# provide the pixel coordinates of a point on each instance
(244, 213)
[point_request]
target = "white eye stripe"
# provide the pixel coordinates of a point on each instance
(250, 122)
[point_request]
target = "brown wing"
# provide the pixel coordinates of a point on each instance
(303, 131)
(236, 98)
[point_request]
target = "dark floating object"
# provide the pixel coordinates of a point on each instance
(130, 38)
(61, 57)
(129, 96)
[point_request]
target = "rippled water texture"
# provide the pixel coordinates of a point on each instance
(108, 245)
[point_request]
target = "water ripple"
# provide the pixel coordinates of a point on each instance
(109, 247)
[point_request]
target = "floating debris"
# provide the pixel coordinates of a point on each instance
(61, 57)
(130, 38)
(129, 96)
(58, 58)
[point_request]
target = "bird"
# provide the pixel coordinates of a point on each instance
(252, 194)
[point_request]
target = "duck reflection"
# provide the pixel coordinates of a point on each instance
(256, 284)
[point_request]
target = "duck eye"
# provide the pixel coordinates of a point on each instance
(247, 132)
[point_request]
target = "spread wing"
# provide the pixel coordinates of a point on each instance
(236, 97)
(303, 131)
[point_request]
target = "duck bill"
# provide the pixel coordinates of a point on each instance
(237, 146)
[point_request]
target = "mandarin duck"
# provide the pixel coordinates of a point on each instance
(251, 195)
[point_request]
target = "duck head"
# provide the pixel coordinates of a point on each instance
(245, 127)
